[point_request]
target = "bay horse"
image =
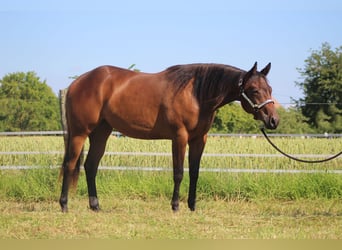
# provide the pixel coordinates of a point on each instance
(178, 104)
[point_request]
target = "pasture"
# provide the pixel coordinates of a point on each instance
(136, 204)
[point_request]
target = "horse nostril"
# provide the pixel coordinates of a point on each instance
(273, 122)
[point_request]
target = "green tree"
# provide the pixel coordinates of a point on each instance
(27, 104)
(231, 118)
(132, 67)
(292, 121)
(322, 88)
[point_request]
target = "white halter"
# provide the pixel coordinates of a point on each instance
(255, 106)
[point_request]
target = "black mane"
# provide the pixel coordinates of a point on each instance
(212, 81)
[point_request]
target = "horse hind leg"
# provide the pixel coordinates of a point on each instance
(97, 139)
(71, 167)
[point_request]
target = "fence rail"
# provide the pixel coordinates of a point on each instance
(118, 134)
(210, 170)
(167, 154)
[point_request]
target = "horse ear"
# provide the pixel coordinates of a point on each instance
(265, 70)
(251, 72)
(254, 69)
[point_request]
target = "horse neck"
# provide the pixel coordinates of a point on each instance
(224, 91)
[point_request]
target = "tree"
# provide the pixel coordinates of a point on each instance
(231, 118)
(132, 67)
(322, 87)
(27, 104)
(292, 121)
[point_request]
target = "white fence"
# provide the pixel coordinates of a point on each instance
(118, 134)
(228, 170)
(212, 170)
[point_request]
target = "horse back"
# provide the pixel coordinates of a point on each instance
(140, 105)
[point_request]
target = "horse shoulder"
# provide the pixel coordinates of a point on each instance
(184, 108)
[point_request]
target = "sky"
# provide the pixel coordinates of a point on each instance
(61, 39)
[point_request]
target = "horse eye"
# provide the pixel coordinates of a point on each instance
(254, 92)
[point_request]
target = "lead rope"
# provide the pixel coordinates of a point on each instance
(294, 158)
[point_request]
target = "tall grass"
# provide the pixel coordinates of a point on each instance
(42, 184)
(221, 145)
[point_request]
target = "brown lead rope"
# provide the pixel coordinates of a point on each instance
(294, 158)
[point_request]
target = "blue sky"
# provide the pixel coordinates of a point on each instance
(59, 39)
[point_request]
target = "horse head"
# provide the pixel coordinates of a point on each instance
(256, 96)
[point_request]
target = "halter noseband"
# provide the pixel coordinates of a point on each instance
(255, 107)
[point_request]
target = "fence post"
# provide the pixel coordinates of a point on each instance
(62, 98)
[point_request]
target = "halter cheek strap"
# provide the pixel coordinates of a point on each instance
(255, 107)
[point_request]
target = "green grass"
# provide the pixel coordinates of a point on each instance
(43, 185)
(136, 204)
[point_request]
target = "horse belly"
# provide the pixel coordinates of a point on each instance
(137, 127)
(140, 117)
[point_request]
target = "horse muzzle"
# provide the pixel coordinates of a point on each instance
(271, 122)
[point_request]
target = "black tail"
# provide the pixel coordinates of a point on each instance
(66, 136)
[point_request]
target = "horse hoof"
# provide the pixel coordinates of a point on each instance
(94, 203)
(64, 209)
(95, 209)
(175, 208)
(192, 206)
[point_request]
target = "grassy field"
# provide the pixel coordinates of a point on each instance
(136, 204)
(153, 219)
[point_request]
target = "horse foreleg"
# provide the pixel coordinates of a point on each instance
(97, 140)
(196, 148)
(178, 152)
